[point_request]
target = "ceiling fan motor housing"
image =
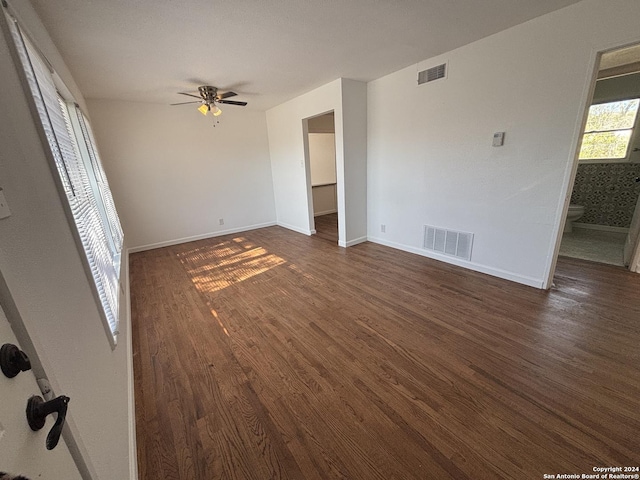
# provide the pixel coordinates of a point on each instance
(208, 93)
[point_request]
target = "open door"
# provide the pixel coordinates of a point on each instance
(23, 451)
(609, 148)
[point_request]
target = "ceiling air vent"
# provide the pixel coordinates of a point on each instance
(448, 242)
(432, 74)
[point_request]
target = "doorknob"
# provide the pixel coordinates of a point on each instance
(37, 411)
(13, 360)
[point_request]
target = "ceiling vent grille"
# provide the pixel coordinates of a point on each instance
(432, 74)
(448, 242)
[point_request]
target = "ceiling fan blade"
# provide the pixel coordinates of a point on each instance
(184, 103)
(232, 102)
(224, 95)
(190, 95)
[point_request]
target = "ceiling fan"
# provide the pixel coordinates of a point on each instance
(209, 99)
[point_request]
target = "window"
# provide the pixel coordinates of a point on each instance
(82, 178)
(609, 129)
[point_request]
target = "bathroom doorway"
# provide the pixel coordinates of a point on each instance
(322, 162)
(603, 219)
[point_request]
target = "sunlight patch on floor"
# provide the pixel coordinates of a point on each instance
(215, 315)
(212, 270)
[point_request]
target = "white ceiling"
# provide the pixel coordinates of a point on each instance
(267, 51)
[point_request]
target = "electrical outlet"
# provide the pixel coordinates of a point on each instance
(383, 228)
(4, 206)
(221, 221)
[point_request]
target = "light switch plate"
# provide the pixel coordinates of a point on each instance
(4, 206)
(498, 139)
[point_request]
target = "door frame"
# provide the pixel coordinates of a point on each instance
(634, 260)
(339, 177)
(572, 167)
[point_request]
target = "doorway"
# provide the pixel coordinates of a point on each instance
(322, 163)
(603, 219)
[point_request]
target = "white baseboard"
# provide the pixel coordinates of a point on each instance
(193, 238)
(326, 212)
(495, 272)
(602, 228)
(351, 243)
(296, 229)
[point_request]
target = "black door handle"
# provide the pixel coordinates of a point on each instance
(37, 411)
(13, 360)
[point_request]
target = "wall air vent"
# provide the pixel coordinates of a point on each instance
(432, 74)
(448, 242)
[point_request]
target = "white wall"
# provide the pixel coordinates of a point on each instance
(354, 124)
(286, 145)
(430, 155)
(291, 177)
(174, 175)
(322, 158)
(322, 161)
(325, 200)
(47, 287)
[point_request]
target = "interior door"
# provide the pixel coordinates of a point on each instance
(633, 236)
(23, 451)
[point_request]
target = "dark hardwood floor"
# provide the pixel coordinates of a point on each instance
(327, 227)
(273, 355)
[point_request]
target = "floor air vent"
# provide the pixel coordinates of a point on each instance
(433, 73)
(454, 244)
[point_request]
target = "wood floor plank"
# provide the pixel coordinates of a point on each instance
(270, 354)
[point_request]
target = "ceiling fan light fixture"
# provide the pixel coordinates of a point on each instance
(203, 109)
(217, 111)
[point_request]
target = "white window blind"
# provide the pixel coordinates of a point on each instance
(100, 234)
(103, 185)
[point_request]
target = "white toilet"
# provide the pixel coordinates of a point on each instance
(573, 214)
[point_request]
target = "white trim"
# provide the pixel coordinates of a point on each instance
(588, 161)
(495, 272)
(355, 241)
(193, 238)
(326, 212)
(296, 229)
(131, 406)
(634, 265)
(602, 228)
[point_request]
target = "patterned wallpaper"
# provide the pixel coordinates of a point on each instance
(608, 192)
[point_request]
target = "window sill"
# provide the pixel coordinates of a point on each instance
(607, 160)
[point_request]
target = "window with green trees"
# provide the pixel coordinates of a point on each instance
(609, 129)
